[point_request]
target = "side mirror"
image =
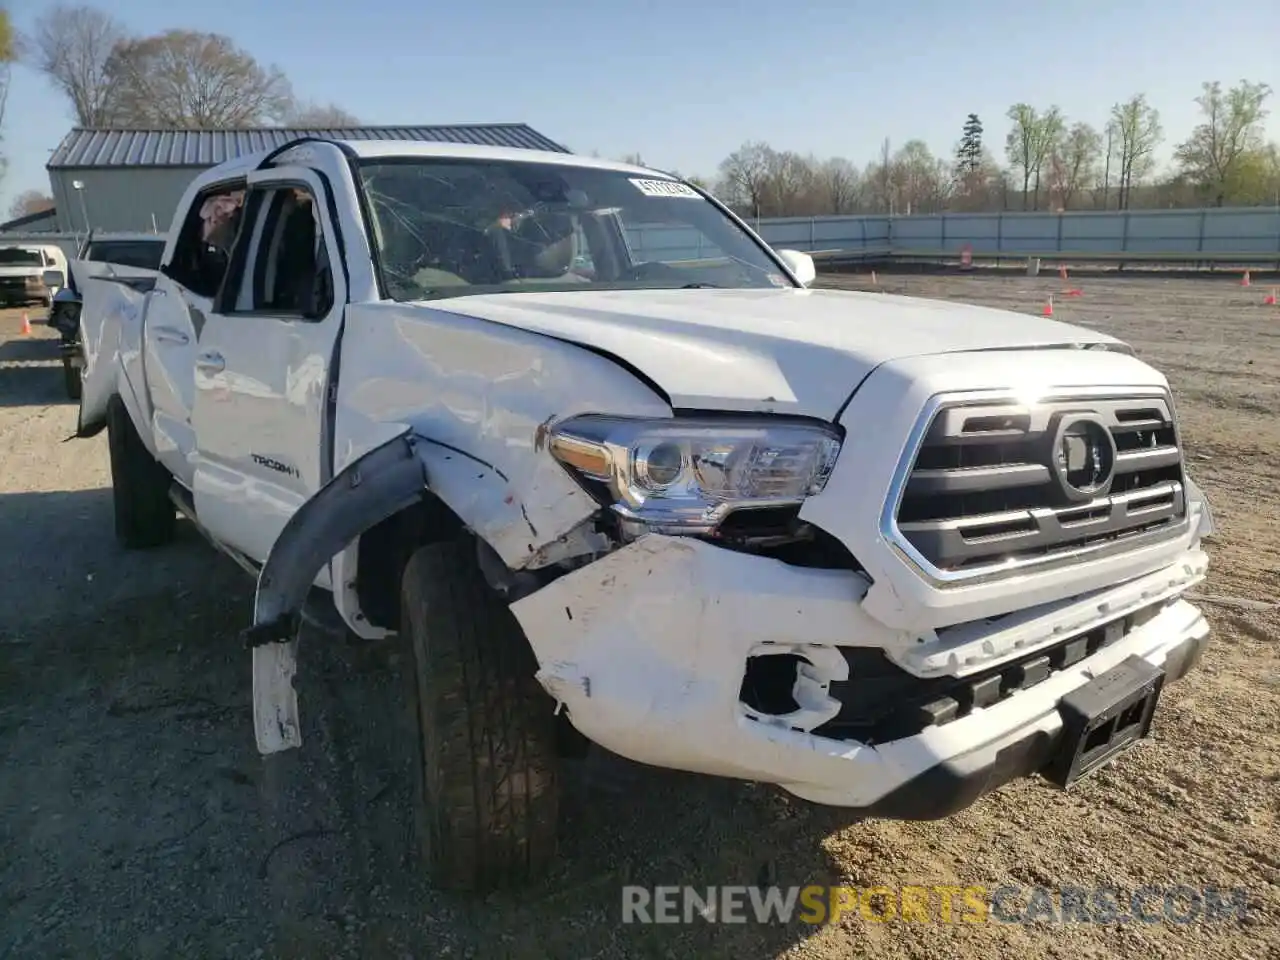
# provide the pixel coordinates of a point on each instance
(800, 264)
(54, 278)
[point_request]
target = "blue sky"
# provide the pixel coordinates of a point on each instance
(685, 83)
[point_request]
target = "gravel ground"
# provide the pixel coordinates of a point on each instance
(137, 820)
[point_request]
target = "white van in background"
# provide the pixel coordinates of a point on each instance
(22, 268)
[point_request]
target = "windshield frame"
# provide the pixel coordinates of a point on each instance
(358, 164)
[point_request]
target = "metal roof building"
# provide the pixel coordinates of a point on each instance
(132, 180)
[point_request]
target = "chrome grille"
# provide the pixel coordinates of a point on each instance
(995, 484)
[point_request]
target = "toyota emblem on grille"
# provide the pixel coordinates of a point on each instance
(1084, 457)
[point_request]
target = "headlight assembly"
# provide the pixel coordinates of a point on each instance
(686, 475)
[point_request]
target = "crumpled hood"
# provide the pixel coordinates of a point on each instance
(789, 351)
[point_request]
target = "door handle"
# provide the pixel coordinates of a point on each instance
(159, 292)
(171, 335)
(211, 362)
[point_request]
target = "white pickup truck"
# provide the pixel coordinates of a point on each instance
(616, 476)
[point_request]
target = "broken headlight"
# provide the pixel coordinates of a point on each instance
(686, 475)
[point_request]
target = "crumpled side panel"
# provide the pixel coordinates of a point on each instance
(482, 396)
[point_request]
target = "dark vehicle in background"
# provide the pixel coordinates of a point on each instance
(143, 251)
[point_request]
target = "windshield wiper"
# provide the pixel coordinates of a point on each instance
(697, 285)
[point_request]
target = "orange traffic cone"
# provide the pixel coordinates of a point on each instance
(1271, 300)
(1048, 307)
(1244, 282)
(26, 324)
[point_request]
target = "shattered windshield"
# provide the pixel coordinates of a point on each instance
(450, 227)
(18, 257)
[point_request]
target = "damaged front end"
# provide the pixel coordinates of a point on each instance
(606, 483)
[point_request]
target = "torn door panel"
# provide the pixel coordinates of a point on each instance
(483, 395)
(111, 321)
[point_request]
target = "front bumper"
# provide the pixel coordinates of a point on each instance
(647, 649)
(23, 289)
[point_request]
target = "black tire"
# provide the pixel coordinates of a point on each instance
(487, 789)
(145, 515)
(71, 378)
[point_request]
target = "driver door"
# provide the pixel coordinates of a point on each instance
(176, 309)
(262, 406)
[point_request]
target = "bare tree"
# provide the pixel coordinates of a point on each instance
(744, 177)
(1073, 163)
(1102, 192)
(191, 80)
(789, 183)
(921, 181)
(315, 116)
(29, 202)
(839, 183)
(878, 181)
(1232, 128)
(1137, 134)
(71, 46)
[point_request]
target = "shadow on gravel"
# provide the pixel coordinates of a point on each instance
(29, 349)
(32, 385)
(137, 818)
(59, 558)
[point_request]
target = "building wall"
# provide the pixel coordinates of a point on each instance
(124, 199)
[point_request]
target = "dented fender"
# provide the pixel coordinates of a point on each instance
(379, 484)
(382, 483)
(369, 490)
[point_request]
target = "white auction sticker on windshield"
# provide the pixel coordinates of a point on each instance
(665, 188)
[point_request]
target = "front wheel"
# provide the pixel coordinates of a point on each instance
(487, 794)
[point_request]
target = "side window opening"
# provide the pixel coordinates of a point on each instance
(285, 270)
(203, 251)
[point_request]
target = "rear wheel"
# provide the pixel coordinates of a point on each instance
(144, 514)
(487, 794)
(71, 377)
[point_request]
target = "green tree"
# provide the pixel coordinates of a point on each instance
(969, 152)
(1228, 142)
(1030, 142)
(970, 161)
(8, 53)
(8, 43)
(1136, 132)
